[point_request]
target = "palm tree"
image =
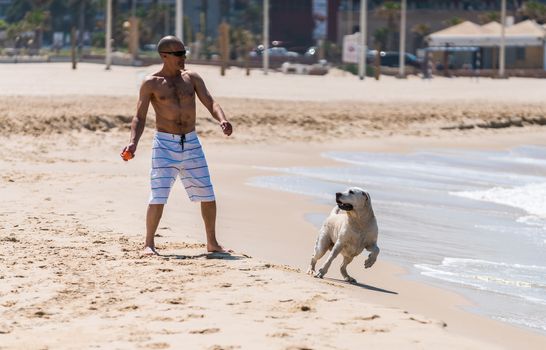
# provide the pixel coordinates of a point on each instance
(380, 41)
(534, 10)
(390, 11)
(453, 21)
(252, 16)
(38, 21)
(420, 31)
(242, 41)
(380, 36)
(17, 10)
(489, 17)
(32, 15)
(153, 23)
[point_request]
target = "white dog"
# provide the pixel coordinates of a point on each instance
(349, 229)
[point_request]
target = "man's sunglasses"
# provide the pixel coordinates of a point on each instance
(175, 53)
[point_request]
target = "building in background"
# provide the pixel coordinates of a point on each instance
(423, 17)
(295, 25)
(525, 45)
(299, 24)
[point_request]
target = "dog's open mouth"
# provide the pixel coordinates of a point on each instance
(344, 206)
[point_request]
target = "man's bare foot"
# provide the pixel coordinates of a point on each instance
(216, 248)
(149, 251)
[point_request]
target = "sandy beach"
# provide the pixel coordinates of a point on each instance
(72, 215)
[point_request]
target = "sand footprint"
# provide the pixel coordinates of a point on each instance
(157, 346)
(279, 335)
(222, 347)
(175, 301)
(367, 318)
(205, 331)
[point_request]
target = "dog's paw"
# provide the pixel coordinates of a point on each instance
(369, 263)
(350, 279)
(319, 274)
(310, 271)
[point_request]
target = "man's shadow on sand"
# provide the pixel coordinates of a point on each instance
(215, 255)
(362, 285)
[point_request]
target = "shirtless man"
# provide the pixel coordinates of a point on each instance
(176, 150)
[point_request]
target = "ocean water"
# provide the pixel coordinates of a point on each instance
(471, 221)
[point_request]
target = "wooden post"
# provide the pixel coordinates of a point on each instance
(377, 61)
(223, 40)
(73, 45)
(446, 61)
(133, 37)
(247, 37)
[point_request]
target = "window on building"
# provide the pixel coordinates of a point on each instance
(520, 53)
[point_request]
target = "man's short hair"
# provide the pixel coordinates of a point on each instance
(166, 41)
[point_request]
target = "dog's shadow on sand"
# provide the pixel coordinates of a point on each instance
(218, 256)
(363, 285)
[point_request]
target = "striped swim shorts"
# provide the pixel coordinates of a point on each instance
(179, 155)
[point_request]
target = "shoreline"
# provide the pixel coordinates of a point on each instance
(487, 328)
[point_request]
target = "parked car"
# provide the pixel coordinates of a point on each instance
(392, 59)
(149, 47)
(311, 52)
(276, 51)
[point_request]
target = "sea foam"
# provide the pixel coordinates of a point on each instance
(530, 198)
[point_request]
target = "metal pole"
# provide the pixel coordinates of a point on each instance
(180, 19)
(350, 17)
(402, 55)
(265, 55)
(503, 39)
(108, 38)
(81, 27)
(133, 32)
(362, 40)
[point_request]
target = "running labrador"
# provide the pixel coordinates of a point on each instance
(349, 229)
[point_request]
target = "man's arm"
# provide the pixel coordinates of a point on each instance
(206, 99)
(139, 120)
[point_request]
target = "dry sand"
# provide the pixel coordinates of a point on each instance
(72, 216)
(269, 120)
(296, 108)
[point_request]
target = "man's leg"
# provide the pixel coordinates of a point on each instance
(153, 215)
(208, 211)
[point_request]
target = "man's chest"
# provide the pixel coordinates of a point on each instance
(175, 89)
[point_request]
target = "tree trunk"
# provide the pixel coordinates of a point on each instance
(377, 61)
(81, 26)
